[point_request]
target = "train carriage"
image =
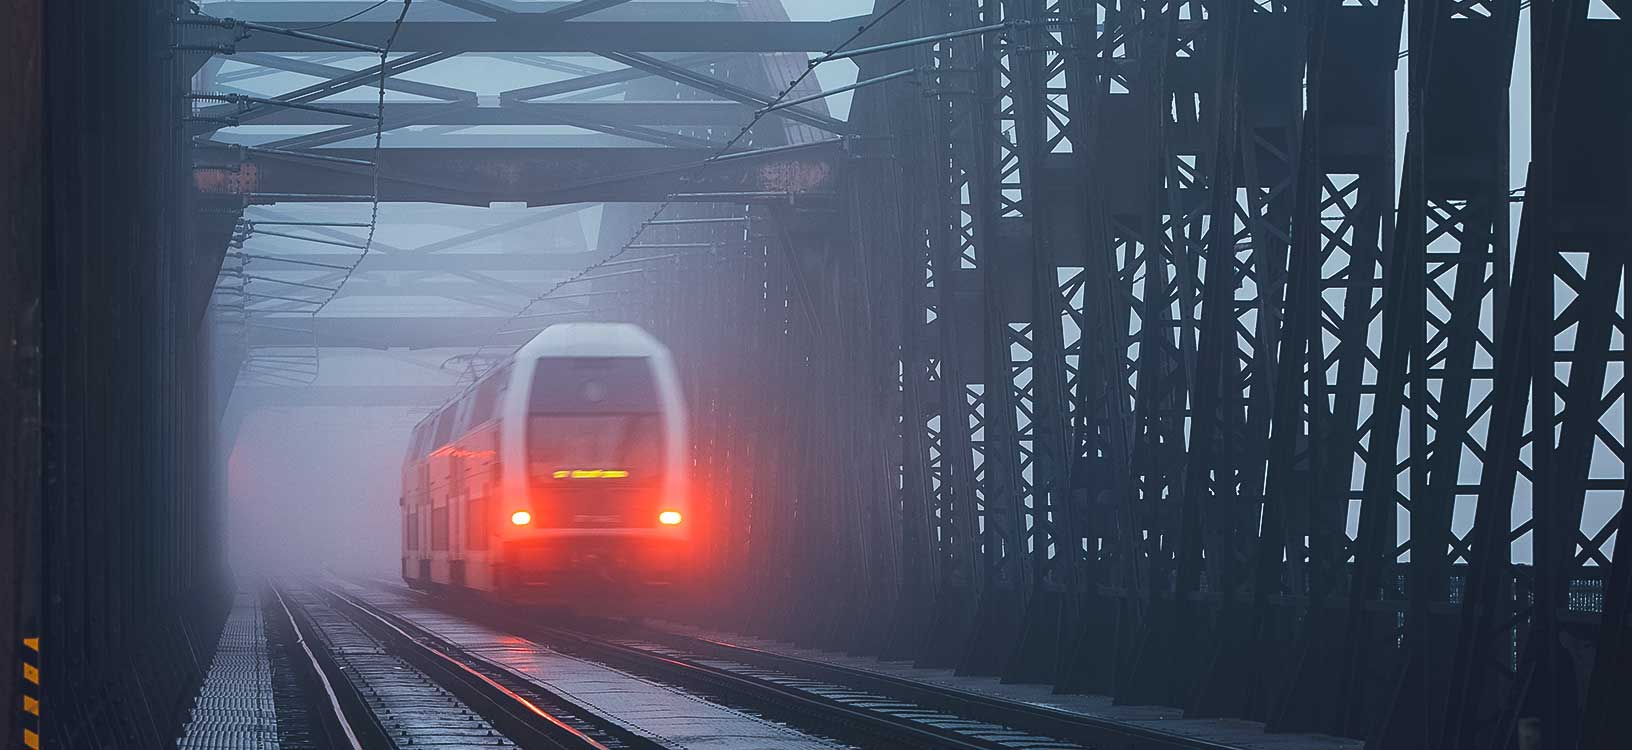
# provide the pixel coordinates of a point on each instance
(560, 476)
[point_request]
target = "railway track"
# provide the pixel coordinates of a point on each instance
(857, 706)
(1083, 730)
(393, 685)
(867, 708)
(868, 718)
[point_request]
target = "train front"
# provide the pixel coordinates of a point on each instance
(605, 517)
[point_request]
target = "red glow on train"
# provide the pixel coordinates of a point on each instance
(560, 475)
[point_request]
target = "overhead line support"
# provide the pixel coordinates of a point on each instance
(234, 24)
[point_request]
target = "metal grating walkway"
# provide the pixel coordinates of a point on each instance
(234, 709)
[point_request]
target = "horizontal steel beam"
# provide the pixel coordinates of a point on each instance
(725, 89)
(383, 332)
(529, 32)
(582, 8)
(261, 396)
(483, 7)
(450, 262)
(292, 14)
(510, 291)
(477, 177)
(608, 78)
(711, 114)
(332, 73)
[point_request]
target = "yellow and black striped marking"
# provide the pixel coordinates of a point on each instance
(31, 693)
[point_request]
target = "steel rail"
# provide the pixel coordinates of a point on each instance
(322, 675)
(777, 701)
(842, 718)
(461, 677)
(1098, 733)
(1046, 722)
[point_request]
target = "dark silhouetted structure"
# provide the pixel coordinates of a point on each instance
(1110, 347)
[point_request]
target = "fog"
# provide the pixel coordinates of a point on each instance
(325, 498)
(311, 484)
(317, 486)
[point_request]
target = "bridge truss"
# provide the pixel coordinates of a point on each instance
(1119, 345)
(1123, 362)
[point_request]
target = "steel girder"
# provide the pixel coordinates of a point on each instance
(337, 79)
(720, 114)
(944, 277)
(1214, 487)
(251, 397)
(434, 262)
(531, 32)
(1518, 668)
(1110, 367)
(1177, 411)
(374, 332)
(1443, 272)
(537, 176)
(723, 89)
(912, 279)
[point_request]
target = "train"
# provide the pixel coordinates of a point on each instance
(560, 476)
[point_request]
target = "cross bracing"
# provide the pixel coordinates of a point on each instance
(1126, 347)
(629, 121)
(636, 26)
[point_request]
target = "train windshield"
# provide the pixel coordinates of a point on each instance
(594, 418)
(594, 446)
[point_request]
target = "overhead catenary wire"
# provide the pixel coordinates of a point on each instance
(379, 137)
(721, 151)
(338, 21)
(374, 199)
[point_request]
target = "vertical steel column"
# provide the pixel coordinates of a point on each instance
(923, 491)
(1099, 297)
(1350, 623)
(1174, 646)
(1025, 57)
(1456, 120)
(990, 162)
(1401, 373)
(1565, 315)
(1173, 239)
(1260, 565)
(1302, 452)
(872, 199)
(948, 68)
(1609, 687)
(1129, 125)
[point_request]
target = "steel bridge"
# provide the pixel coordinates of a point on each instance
(1208, 354)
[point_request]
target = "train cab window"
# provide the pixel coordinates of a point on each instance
(426, 435)
(444, 427)
(487, 395)
(628, 443)
(416, 441)
(591, 385)
(461, 417)
(594, 416)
